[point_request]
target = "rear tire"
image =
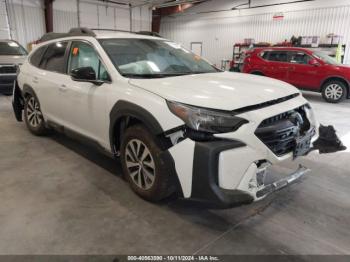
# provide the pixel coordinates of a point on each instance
(334, 91)
(33, 116)
(147, 173)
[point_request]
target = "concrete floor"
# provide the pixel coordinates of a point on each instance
(58, 196)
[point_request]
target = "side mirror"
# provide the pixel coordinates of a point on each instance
(314, 62)
(85, 74)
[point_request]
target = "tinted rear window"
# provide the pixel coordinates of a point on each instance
(36, 57)
(54, 58)
(277, 56)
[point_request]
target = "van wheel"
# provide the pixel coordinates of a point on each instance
(147, 174)
(334, 91)
(33, 116)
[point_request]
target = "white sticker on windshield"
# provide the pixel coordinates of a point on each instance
(174, 45)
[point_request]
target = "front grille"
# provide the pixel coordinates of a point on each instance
(8, 69)
(279, 132)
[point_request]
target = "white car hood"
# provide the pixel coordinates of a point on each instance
(224, 90)
(10, 60)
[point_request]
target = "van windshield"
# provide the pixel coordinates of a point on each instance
(149, 58)
(11, 48)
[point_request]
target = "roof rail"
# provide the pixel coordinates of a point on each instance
(148, 33)
(83, 31)
(112, 30)
(77, 31)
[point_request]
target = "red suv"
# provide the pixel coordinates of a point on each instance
(303, 68)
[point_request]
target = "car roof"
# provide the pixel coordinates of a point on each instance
(274, 48)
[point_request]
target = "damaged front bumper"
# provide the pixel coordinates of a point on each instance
(228, 173)
(283, 182)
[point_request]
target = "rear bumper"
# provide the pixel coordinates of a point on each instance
(6, 83)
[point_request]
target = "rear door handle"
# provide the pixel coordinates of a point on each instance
(63, 88)
(35, 80)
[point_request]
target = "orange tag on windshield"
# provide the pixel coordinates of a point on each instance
(197, 57)
(75, 51)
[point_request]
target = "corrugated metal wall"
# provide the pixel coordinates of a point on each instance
(64, 20)
(141, 18)
(218, 34)
(27, 22)
(100, 15)
(4, 26)
(105, 16)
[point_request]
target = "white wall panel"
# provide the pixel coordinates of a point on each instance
(88, 14)
(220, 31)
(4, 26)
(63, 21)
(27, 21)
(122, 19)
(106, 17)
(103, 15)
(141, 18)
(64, 15)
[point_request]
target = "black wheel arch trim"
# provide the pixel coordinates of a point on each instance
(123, 109)
(19, 99)
(27, 89)
(205, 184)
(17, 102)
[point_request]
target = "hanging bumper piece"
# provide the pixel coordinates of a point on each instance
(328, 141)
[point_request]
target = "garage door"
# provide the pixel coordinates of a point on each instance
(4, 27)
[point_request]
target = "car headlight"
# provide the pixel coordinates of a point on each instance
(206, 120)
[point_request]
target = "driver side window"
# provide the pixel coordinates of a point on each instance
(83, 55)
(299, 58)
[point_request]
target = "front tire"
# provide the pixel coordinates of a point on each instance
(147, 173)
(33, 116)
(334, 91)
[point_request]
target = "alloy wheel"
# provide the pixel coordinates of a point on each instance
(334, 92)
(140, 164)
(34, 114)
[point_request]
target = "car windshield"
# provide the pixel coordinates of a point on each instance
(326, 58)
(148, 58)
(11, 48)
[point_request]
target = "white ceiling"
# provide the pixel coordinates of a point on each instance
(143, 2)
(140, 2)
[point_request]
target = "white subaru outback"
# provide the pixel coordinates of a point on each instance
(177, 123)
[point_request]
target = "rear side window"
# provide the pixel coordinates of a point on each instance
(35, 58)
(277, 56)
(299, 58)
(54, 58)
